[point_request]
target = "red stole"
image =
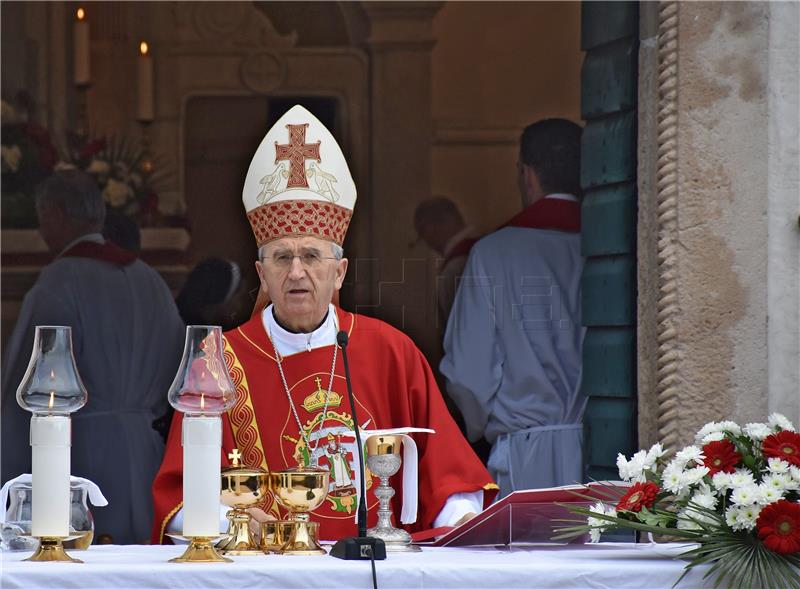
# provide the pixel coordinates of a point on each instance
(460, 249)
(549, 213)
(393, 386)
(104, 252)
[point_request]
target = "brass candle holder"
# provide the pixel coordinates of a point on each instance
(301, 491)
(242, 487)
(51, 549)
(200, 549)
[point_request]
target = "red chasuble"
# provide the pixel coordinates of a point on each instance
(393, 386)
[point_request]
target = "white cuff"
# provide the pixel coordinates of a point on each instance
(175, 525)
(457, 506)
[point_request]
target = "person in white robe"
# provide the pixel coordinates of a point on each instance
(127, 338)
(513, 340)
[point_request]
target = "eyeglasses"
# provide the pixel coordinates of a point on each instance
(310, 260)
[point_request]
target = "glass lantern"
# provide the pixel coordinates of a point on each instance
(51, 389)
(202, 391)
(52, 385)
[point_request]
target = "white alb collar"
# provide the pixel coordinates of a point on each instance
(93, 237)
(562, 196)
(456, 239)
(288, 343)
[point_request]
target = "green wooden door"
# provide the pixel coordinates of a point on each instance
(609, 36)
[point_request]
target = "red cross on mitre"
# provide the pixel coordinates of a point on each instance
(297, 152)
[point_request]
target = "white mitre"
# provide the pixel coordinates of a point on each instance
(298, 182)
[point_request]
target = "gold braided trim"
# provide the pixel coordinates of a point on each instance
(491, 487)
(243, 418)
(165, 521)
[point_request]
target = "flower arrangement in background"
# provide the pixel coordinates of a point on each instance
(122, 170)
(125, 174)
(734, 493)
(28, 157)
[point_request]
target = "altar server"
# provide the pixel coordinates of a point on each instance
(513, 340)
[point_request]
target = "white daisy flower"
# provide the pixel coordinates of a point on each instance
(721, 481)
(748, 516)
(745, 495)
(673, 479)
(757, 431)
(695, 475)
(597, 525)
(768, 494)
(690, 453)
(712, 437)
(730, 426)
(687, 520)
(778, 466)
(777, 420)
(741, 477)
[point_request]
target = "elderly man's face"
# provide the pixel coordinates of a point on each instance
(300, 275)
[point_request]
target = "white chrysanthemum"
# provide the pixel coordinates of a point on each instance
(709, 428)
(742, 518)
(713, 437)
(741, 477)
(721, 481)
(777, 420)
(794, 472)
(695, 475)
(633, 469)
(777, 466)
(733, 518)
(707, 500)
(597, 525)
(779, 482)
(730, 426)
(757, 431)
(745, 495)
(690, 453)
(655, 452)
(768, 494)
(673, 479)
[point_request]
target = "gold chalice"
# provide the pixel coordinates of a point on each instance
(242, 487)
(383, 459)
(301, 490)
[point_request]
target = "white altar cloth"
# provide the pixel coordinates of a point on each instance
(596, 566)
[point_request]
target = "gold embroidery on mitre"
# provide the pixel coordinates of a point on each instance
(242, 417)
(316, 400)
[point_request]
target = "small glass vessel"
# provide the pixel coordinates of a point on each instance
(15, 531)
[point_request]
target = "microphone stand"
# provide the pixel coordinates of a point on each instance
(360, 547)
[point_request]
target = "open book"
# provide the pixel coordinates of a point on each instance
(524, 517)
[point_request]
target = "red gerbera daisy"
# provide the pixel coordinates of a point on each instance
(779, 527)
(638, 496)
(784, 445)
(720, 456)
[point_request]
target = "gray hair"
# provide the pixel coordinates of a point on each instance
(76, 194)
(336, 250)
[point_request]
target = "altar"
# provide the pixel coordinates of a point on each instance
(595, 566)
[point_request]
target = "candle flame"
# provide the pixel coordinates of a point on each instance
(202, 400)
(52, 399)
(143, 48)
(52, 375)
(81, 14)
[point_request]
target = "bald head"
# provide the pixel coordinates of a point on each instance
(436, 220)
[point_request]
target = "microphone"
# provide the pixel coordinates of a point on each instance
(361, 547)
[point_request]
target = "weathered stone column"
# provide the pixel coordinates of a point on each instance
(721, 203)
(400, 43)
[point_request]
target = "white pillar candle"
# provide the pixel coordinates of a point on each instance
(81, 45)
(202, 447)
(50, 444)
(145, 107)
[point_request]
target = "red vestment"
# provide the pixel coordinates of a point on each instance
(393, 386)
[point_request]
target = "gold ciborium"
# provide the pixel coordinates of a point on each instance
(383, 459)
(242, 487)
(301, 491)
(274, 534)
